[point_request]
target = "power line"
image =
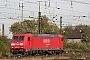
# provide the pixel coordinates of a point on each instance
(77, 1)
(69, 10)
(48, 7)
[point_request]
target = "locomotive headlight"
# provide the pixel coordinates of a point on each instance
(21, 43)
(12, 44)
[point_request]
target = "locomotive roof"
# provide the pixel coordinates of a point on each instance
(45, 35)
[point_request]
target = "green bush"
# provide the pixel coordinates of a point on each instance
(4, 44)
(76, 46)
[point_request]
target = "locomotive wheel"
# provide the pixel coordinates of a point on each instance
(61, 51)
(26, 54)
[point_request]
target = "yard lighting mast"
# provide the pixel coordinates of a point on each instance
(60, 25)
(22, 10)
(39, 18)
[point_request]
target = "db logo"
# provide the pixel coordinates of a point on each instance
(46, 40)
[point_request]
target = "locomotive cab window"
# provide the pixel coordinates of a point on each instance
(18, 37)
(28, 38)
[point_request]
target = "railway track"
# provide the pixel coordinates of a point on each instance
(64, 56)
(42, 57)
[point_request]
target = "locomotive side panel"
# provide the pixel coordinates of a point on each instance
(61, 42)
(46, 42)
(36, 42)
(55, 42)
(40, 42)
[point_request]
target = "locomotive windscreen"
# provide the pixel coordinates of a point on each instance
(18, 37)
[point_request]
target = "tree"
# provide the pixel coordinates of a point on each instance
(32, 26)
(45, 25)
(15, 28)
(25, 26)
(78, 27)
(85, 33)
(67, 30)
(85, 38)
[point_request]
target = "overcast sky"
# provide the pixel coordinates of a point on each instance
(71, 12)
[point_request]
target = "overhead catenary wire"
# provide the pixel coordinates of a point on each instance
(62, 9)
(48, 7)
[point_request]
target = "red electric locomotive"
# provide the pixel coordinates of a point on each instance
(28, 43)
